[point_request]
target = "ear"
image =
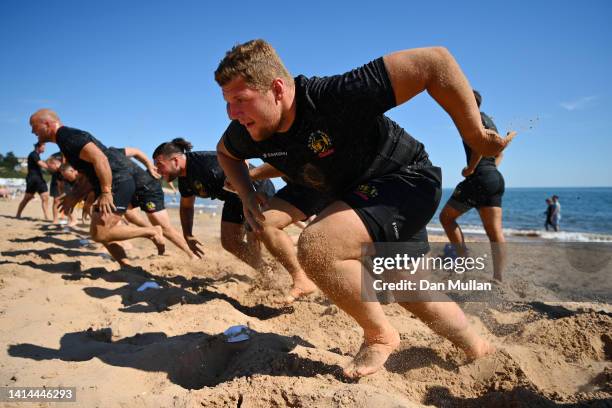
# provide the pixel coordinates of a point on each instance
(278, 88)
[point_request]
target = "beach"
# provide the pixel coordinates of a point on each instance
(71, 318)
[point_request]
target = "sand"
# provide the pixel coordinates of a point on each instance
(69, 317)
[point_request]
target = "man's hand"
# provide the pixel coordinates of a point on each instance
(195, 245)
(492, 143)
(253, 207)
(105, 203)
(153, 172)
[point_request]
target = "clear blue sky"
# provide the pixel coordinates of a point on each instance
(137, 73)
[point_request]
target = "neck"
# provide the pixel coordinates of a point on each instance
(54, 127)
(182, 165)
(289, 111)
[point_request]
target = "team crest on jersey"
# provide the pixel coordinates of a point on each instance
(320, 143)
(199, 188)
(366, 191)
(150, 206)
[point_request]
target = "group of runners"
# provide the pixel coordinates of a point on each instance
(362, 176)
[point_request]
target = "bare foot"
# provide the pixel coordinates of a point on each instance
(372, 355)
(481, 348)
(159, 240)
(299, 290)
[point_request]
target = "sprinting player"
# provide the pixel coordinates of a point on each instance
(109, 175)
(330, 134)
(58, 187)
(483, 189)
(35, 184)
(149, 196)
(199, 175)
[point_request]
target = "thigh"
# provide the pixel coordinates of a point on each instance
(232, 233)
(337, 231)
(450, 212)
(281, 213)
(307, 200)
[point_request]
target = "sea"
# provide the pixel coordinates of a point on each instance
(586, 213)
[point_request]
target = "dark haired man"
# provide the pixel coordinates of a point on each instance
(35, 184)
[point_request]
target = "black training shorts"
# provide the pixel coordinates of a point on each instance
(481, 189)
(397, 207)
(149, 197)
(305, 199)
(123, 191)
(35, 185)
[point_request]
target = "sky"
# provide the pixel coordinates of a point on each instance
(138, 73)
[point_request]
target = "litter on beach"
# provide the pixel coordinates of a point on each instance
(237, 334)
(148, 285)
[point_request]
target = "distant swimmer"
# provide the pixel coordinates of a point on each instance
(483, 189)
(35, 183)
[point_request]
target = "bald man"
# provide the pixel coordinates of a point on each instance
(109, 174)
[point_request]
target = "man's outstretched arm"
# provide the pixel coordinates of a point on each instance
(435, 70)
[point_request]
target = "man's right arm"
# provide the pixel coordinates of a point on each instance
(435, 70)
(265, 171)
(186, 214)
(237, 172)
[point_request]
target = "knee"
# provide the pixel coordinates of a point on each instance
(446, 218)
(313, 254)
(230, 244)
(99, 234)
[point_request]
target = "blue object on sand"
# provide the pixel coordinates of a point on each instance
(148, 285)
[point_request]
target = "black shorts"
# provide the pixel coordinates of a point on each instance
(35, 185)
(149, 197)
(307, 200)
(265, 186)
(397, 207)
(232, 210)
(123, 191)
(232, 206)
(54, 187)
(481, 189)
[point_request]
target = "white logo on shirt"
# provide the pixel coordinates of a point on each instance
(274, 154)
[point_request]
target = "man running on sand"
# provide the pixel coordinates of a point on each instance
(330, 134)
(199, 175)
(109, 175)
(35, 184)
(149, 196)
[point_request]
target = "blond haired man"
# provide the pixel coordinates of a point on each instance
(376, 181)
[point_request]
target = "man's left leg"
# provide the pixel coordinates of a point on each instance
(44, 198)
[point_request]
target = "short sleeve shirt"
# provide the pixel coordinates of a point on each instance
(33, 166)
(339, 137)
(71, 141)
(204, 177)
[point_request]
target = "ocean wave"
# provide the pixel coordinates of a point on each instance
(564, 236)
